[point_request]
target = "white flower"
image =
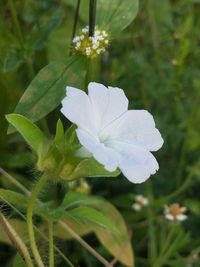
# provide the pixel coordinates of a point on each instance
(140, 202)
(115, 136)
(175, 212)
(96, 43)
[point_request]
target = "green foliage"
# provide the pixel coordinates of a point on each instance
(41, 31)
(30, 132)
(59, 132)
(91, 168)
(156, 61)
(86, 215)
(47, 89)
(115, 15)
(13, 60)
(14, 198)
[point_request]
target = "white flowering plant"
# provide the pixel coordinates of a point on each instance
(85, 141)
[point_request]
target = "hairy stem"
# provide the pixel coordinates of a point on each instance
(51, 248)
(38, 231)
(30, 208)
(16, 240)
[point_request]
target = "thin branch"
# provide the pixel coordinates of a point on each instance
(76, 18)
(84, 244)
(75, 23)
(15, 182)
(16, 240)
(92, 17)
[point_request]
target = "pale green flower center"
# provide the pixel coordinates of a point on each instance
(91, 46)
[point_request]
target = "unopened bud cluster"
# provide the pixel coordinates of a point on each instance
(91, 46)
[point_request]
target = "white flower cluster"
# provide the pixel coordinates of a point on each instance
(175, 212)
(91, 46)
(140, 202)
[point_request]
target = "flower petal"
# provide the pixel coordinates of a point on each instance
(108, 103)
(169, 217)
(181, 217)
(105, 155)
(136, 163)
(76, 106)
(136, 126)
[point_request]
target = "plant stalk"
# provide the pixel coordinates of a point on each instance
(16, 240)
(73, 234)
(92, 17)
(51, 248)
(75, 19)
(39, 232)
(84, 244)
(30, 208)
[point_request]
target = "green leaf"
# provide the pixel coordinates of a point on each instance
(77, 227)
(47, 89)
(59, 132)
(115, 15)
(91, 168)
(13, 60)
(30, 132)
(115, 243)
(21, 201)
(72, 199)
(84, 215)
(112, 15)
(41, 32)
(14, 198)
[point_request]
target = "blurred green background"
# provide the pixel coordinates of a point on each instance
(156, 60)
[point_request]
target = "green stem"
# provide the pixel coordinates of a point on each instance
(16, 22)
(88, 74)
(75, 21)
(51, 248)
(39, 232)
(159, 261)
(30, 208)
(92, 17)
(75, 25)
(152, 248)
(70, 230)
